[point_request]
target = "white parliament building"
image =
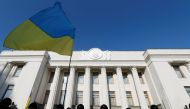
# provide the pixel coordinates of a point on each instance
(119, 79)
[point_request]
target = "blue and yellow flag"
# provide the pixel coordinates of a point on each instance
(49, 30)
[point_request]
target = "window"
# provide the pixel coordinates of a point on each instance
(187, 88)
(141, 78)
(51, 77)
(46, 97)
(178, 72)
(95, 79)
(65, 78)
(8, 91)
(129, 98)
(79, 99)
(18, 71)
(125, 78)
(146, 97)
(80, 78)
(112, 98)
(95, 98)
(62, 97)
(110, 78)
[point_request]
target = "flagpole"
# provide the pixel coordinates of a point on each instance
(67, 80)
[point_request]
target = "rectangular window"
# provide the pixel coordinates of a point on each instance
(141, 78)
(51, 77)
(125, 78)
(147, 98)
(80, 78)
(95, 98)
(8, 91)
(95, 79)
(110, 78)
(62, 97)
(129, 98)
(79, 97)
(178, 72)
(112, 98)
(18, 70)
(46, 97)
(187, 88)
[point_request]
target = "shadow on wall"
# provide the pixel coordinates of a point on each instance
(5, 72)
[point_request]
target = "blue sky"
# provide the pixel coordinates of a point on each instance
(111, 24)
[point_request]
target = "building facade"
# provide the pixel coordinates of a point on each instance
(119, 79)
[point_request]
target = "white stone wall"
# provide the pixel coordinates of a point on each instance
(160, 79)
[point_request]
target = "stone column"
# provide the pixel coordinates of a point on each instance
(53, 89)
(5, 73)
(70, 88)
(2, 67)
(139, 89)
(188, 66)
(121, 87)
(87, 89)
(133, 90)
(104, 88)
(184, 70)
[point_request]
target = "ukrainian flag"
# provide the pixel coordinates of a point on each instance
(49, 30)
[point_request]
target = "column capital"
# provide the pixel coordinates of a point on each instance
(87, 66)
(183, 65)
(118, 68)
(87, 69)
(102, 67)
(73, 67)
(188, 64)
(60, 67)
(133, 68)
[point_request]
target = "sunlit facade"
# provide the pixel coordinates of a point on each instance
(119, 79)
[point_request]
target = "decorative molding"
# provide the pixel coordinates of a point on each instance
(95, 54)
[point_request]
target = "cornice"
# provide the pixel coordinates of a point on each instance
(166, 55)
(24, 55)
